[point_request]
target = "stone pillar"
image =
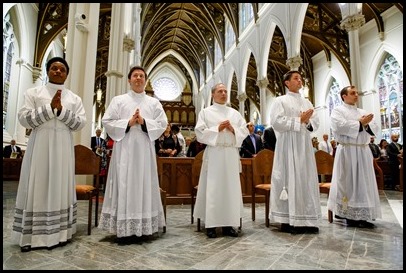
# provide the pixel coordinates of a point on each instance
(116, 84)
(81, 49)
(262, 84)
(137, 34)
(241, 98)
(352, 24)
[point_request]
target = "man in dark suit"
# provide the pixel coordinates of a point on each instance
(252, 144)
(394, 151)
(269, 139)
(7, 150)
(376, 152)
(98, 142)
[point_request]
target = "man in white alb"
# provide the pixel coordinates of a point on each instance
(354, 192)
(219, 198)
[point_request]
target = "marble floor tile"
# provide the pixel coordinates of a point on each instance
(257, 247)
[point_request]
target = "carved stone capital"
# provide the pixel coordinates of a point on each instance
(114, 73)
(353, 22)
(294, 62)
(36, 73)
(263, 83)
(242, 97)
(128, 44)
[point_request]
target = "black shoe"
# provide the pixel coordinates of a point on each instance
(53, 247)
(312, 230)
(339, 217)
(286, 227)
(25, 248)
(211, 232)
(352, 223)
(298, 230)
(365, 224)
(123, 240)
(229, 231)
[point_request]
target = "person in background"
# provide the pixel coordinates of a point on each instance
(333, 143)
(325, 145)
(167, 145)
(195, 147)
(269, 138)
(259, 133)
(394, 150)
(132, 205)
(383, 144)
(182, 143)
(252, 144)
(45, 212)
(188, 141)
(8, 150)
(99, 147)
(109, 146)
(376, 152)
(315, 144)
(295, 194)
(219, 197)
(354, 193)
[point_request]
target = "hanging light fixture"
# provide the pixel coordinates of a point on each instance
(305, 89)
(99, 91)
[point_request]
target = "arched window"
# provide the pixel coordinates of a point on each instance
(389, 82)
(166, 89)
(217, 53)
(246, 15)
(230, 35)
(8, 52)
(333, 98)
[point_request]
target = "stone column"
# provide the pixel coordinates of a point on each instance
(81, 49)
(115, 81)
(137, 34)
(241, 98)
(262, 84)
(352, 24)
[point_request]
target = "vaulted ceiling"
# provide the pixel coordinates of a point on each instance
(190, 30)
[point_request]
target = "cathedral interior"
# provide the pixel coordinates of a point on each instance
(190, 30)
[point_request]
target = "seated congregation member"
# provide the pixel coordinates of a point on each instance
(181, 139)
(8, 150)
(219, 197)
(252, 144)
(167, 145)
(383, 145)
(109, 145)
(376, 151)
(269, 138)
(394, 150)
(195, 148)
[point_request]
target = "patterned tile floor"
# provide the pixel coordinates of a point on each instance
(182, 247)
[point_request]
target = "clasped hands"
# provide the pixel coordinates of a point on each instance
(56, 101)
(136, 118)
(226, 125)
(365, 119)
(305, 116)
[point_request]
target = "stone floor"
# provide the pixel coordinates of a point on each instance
(182, 247)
